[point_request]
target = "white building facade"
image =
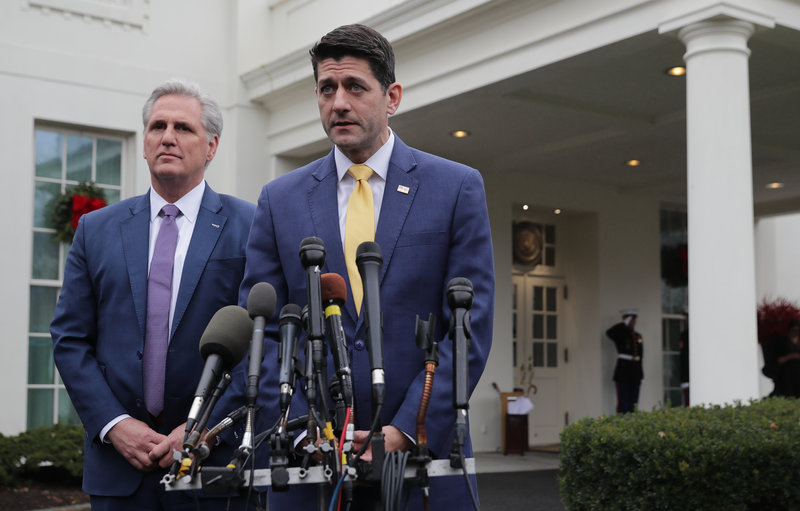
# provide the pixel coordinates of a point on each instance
(556, 95)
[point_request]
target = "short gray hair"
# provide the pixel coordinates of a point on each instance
(212, 115)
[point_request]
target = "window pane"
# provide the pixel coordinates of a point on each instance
(40, 408)
(45, 256)
(538, 354)
(109, 161)
(672, 370)
(671, 334)
(112, 195)
(48, 154)
(551, 299)
(550, 234)
(79, 158)
(552, 354)
(40, 360)
(66, 412)
(45, 193)
(514, 326)
(538, 298)
(42, 306)
(552, 333)
(550, 256)
(514, 353)
(673, 396)
(538, 326)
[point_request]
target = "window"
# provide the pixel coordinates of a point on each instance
(63, 158)
(674, 299)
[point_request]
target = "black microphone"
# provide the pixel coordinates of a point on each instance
(334, 296)
(312, 256)
(260, 307)
(223, 344)
(289, 326)
(459, 299)
(369, 261)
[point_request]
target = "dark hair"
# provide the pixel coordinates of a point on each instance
(358, 41)
(793, 323)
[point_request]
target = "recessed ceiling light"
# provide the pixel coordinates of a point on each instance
(459, 134)
(524, 207)
(557, 211)
(633, 163)
(774, 186)
(676, 71)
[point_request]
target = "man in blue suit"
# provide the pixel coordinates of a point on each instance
(431, 222)
(103, 325)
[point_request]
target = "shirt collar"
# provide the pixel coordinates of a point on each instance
(378, 162)
(189, 204)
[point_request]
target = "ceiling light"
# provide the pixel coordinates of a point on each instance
(676, 71)
(633, 163)
(557, 211)
(459, 134)
(774, 185)
(524, 207)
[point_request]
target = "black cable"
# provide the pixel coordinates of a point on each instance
(474, 497)
(392, 479)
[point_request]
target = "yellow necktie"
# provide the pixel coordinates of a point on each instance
(359, 226)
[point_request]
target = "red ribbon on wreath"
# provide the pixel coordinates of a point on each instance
(81, 204)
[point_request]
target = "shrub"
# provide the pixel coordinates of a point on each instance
(44, 454)
(741, 457)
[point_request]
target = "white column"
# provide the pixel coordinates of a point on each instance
(722, 298)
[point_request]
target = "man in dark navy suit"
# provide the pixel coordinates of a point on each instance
(429, 217)
(142, 280)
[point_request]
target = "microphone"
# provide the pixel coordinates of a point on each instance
(260, 307)
(369, 261)
(312, 256)
(334, 296)
(223, 344)
(289, 326)
(459, 299)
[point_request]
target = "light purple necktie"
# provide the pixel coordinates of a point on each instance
(159, 297)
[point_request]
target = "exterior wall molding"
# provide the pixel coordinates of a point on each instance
(127, 14)
(720, 11)
(399, 22)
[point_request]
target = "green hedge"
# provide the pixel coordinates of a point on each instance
(742, 457)
(44, 454)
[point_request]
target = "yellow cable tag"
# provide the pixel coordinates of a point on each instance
(332, 309)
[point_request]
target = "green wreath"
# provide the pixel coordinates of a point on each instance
(64, 211)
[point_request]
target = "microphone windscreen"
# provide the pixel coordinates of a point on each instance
(290, 312)
(312, 252)
(227, 335)
(460, 293)
(333, 287)
(261, 300)
(369, 251)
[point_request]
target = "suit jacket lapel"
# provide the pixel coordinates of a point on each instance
(135, 232)
(324, 208)
(207, 231)
(401, 187)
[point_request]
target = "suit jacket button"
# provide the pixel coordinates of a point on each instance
(359, 345)
(140, 355)
(139, 403)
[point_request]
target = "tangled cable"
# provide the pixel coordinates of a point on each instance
(394, 469)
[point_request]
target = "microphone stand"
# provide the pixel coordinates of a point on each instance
(424, 331)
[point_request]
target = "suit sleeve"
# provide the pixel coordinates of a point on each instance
(264, 265)
(470, 255)
(74, 336)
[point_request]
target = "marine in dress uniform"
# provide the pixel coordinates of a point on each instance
(628, 373)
